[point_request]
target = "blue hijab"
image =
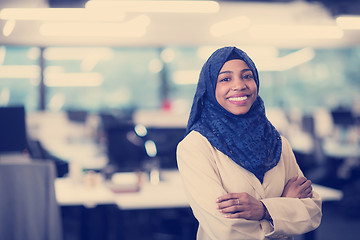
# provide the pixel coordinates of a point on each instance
(250, 140)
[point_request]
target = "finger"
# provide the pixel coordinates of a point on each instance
(226, 197)
(307, 183)
(241, 214)
(230, 196)
(307, 186)
(310, 195)
(292, 180)
(301, 180)
(233, 209)
(307, 192)
(233, 215)
(228, 203)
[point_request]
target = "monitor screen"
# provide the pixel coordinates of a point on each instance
(125, 150)
(12, 129)
(166, 140)
(343, 117)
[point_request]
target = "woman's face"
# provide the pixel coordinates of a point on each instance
(236, 89)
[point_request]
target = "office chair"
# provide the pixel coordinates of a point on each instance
(28, 206)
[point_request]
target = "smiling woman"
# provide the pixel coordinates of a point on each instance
(240, 175)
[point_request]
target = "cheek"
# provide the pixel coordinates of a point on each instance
(253, 86)
(217, 89)
(219, 92)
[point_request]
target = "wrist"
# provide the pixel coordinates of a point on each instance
(266, 214)
(264, 211)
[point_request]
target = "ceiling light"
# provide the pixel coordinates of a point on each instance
(157, 6)
(348, 21)
(229, 26)
(59, 79)
(9, 27)
(19, 71)
(296, 58)
(286, 62)
(60, 14)
(133, 28)
(77, 53)
(296, 32)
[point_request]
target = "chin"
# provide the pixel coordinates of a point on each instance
(240, 112)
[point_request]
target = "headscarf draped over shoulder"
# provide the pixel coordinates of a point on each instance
(250, 139)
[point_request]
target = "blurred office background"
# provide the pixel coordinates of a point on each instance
(103, 79)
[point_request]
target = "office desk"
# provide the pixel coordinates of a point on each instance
(71, 193)
(328, 194)
(336, 149)
(169, 193)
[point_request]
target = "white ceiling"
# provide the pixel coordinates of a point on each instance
(180, 29)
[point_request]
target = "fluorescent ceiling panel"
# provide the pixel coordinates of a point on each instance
(348, 22)
(157, 6)
(60, 14)
(136, 27)
(296, 32)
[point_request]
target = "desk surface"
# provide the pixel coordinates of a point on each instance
(169, 193)
(333, 148)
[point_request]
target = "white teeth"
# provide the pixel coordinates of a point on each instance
(238, 98)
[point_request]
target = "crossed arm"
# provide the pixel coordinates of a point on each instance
(231, 214)
(243, 205)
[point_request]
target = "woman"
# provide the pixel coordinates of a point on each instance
(240, 175)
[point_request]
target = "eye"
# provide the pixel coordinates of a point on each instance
(248, 76)
(224, 79)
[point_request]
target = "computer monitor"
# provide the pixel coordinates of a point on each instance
(166, 140)
(343, 117)
(125, 150)
(13, 137)
(77, 115)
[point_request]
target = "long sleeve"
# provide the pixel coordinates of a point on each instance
(203, 184)
(293, 216)
(207, 174)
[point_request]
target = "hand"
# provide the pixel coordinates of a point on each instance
(298, 187)
(240, 205)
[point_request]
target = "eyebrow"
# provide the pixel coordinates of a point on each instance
(242, 71)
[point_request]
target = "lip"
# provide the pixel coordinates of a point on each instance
(238, 95)
(241, 102)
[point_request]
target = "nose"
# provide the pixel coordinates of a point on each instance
(239, 84)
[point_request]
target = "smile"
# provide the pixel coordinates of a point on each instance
(236, 99)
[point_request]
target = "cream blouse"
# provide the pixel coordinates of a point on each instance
(207, 174)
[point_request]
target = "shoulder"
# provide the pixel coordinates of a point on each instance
(285, 143)
(194, 140)
(195, 145)
(286, 147)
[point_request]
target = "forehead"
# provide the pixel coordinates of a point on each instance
(235, 64)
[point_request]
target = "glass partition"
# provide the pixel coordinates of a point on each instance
(19, 76)
(97, 78)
